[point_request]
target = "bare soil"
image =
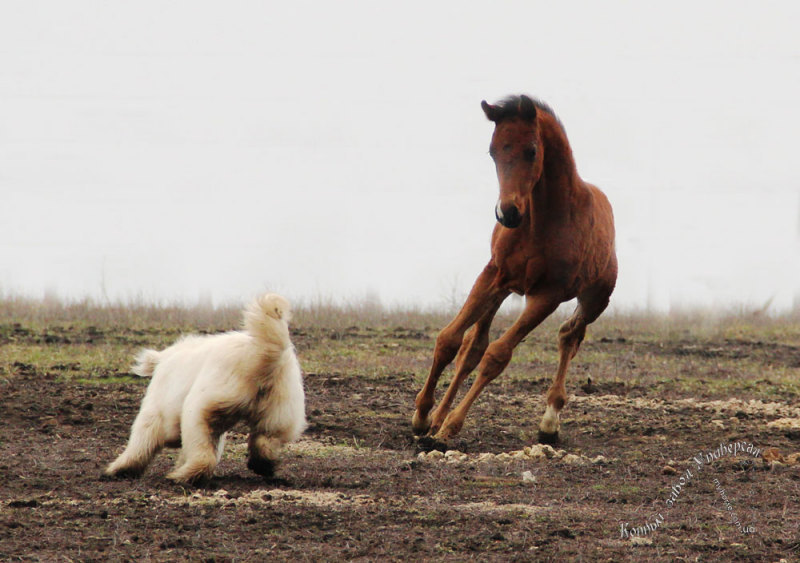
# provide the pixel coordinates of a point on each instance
(355, 488)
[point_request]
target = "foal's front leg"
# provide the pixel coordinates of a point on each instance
(496, 358)
(475, 343)
(482, 298)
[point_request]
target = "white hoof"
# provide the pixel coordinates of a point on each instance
(550, 423)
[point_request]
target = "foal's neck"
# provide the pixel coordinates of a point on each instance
(559, 178)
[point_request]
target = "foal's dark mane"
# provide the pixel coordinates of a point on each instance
(508, 108)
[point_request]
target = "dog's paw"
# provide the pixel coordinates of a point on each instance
(122, 473)
(262, 466)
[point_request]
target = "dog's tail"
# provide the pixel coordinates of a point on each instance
(146, 362)
(266, 319)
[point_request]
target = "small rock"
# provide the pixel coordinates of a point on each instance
(599, 460)
(519, 454)
(718, 424)
(486, 457)
(785, 424)
(668, 470)
(536, 455)
(50, 422)
(559, 454)
(547, 449)
(527, 477)
(572, 459)
(639, 540)
(434, 455)
(454, 456)
(503, 457)
(421, 456)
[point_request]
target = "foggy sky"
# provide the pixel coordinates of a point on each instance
(199, 150)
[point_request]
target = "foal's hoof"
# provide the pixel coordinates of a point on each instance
(429, 443)
(262, 466)
(420, 425)
(548, 437)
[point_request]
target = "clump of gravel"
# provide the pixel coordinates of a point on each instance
(536, 453)
(755, 407)
(785, 424)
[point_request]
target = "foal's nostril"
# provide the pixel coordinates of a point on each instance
(508, 217)
(513, 218)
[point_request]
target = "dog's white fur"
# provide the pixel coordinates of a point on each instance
(202, 385)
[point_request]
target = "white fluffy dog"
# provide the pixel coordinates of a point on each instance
(203, 385)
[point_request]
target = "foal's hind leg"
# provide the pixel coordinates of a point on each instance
(483, 297)
(469, 355)
(570, 336)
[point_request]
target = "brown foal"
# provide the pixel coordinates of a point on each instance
(553, 241)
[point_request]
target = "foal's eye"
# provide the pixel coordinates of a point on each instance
(529, 154)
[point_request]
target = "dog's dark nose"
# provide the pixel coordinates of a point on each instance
(509, 217)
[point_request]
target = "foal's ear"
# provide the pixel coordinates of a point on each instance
(490, 111)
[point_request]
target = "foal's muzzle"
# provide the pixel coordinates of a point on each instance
(508, 217)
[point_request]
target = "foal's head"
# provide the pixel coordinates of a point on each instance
(515, 150)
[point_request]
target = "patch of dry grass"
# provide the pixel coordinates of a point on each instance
(319, 313)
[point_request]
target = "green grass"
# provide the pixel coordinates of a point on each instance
(95, 343)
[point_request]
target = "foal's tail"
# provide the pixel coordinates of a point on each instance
(146, 362)
(266, 319)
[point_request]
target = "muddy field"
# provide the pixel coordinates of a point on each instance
(676, 445)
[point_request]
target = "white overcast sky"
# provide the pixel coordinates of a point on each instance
(191, 150)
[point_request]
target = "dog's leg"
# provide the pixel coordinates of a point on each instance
(270, 433)
(278, 419)
(199, 447)
(264, 453)
(147, 439)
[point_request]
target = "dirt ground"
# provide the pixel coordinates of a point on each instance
(638, 448)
